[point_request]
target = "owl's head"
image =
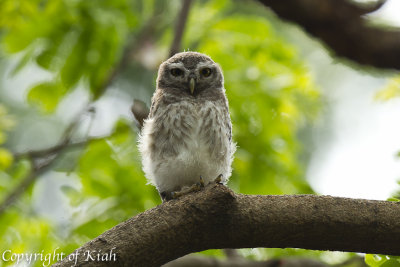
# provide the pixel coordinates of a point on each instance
(191, 73)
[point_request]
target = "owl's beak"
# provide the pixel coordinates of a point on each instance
(191, 85)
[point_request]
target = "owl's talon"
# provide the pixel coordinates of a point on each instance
(218, 180)
(201, 182)
(175, 195)
(165, 196)
(194, 188)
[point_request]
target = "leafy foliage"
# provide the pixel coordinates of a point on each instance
(6, 123)
(76, 40)
(114, 180)
(271, 99)
(382, 260)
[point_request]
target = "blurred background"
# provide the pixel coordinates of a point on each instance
(304, 121)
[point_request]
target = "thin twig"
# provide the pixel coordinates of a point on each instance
(65, 140)
(42, 161)
(139, 108)
(41, 153)
(25, 183)
(180, 27)
(49, 155)
(68, 132)
(133, 45)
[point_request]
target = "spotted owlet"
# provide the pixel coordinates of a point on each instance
(187, 136)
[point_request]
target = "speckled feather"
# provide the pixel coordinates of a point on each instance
(187, 135)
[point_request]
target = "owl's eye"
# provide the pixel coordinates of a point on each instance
(176, 72)
(206, 72)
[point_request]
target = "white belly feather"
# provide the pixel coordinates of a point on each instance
(196, 155)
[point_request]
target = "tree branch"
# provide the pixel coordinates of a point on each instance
(341, 26)
(199, 261)
(180, 27)
(131, 48)
(42, 160)
(218, 218)
(37, 169)
(139, 109)
(47, 156)
(46, 152)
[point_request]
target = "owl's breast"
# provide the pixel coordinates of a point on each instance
(187, 141)
(189, 126)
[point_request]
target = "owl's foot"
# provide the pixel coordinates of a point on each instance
(165, 196)
(194, 188)
(201, 182)
(218, 180)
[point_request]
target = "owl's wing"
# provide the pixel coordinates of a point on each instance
(140, 111)
(229, 130)
(155, 102)
(227, 120)
(152, 108)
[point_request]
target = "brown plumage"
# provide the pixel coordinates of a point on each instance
(188, 132)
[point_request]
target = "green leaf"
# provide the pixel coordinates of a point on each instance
(382, 260)
(25, 59)
(254, 57)
(374, 260)
(74, 196)
(75, 63)
(391, 263)
(20, 169)
(6, 159)
(45, 58)
(20, 39)
(46, 95)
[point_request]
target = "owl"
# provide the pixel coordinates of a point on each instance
(187, 136)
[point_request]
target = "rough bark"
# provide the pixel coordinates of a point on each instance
(217, 218)
(201, 261)
(342, 26)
